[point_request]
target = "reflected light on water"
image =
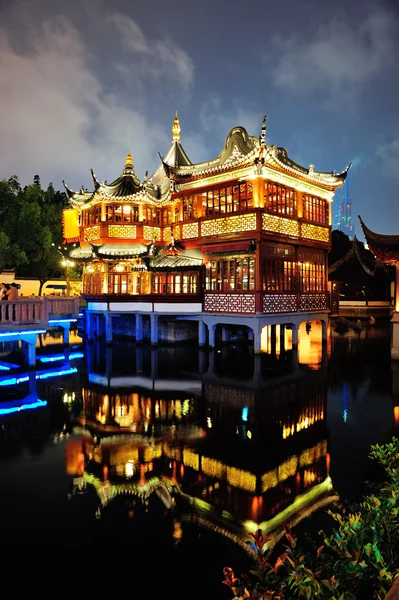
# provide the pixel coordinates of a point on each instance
(266, 340)
(310, 345)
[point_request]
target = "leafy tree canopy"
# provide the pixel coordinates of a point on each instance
(30, 221)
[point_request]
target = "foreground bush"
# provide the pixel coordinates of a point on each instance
(358, 561)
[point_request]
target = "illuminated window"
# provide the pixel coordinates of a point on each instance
(232, 274)
(312, 271)
(315, 209)
(280, 200)
(279, 271)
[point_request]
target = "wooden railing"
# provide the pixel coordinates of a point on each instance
(37, 311)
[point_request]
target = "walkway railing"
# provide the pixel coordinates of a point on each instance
(37, 311)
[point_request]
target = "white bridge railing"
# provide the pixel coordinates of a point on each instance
(37, 311)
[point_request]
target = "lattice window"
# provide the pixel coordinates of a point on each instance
(122, 231)
(315, 209)
(312, 271)
(174, 283)
(190, 230)
(280, 199)
(280, 225)
(92, 233)
(92, 284)
(279, 275)
(122, 213)
(151, 233)
(152, 215)
(92, 215)
(235, 224)
(315, 232)
(231, 274)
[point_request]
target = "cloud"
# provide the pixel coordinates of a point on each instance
(388, 154)
(337, 58)
(159, 59)
(58, 118)
(218, 119)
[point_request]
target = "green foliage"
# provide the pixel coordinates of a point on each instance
(31, 219)
(358, 560)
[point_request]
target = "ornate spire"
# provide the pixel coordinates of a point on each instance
(129, 160)
(262, 137)
(176, 129)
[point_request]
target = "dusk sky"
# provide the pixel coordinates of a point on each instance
(84, 81)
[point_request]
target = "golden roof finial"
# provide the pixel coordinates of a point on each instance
(129, 160)
(176, 129)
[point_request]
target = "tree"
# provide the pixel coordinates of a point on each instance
(358, 560)
(31, 219)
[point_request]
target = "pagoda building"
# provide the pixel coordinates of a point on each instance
(241, 239)
(357, 276)
(386, 249)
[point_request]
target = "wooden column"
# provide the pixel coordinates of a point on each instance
(299, 204)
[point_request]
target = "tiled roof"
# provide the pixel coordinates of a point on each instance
(174, 262)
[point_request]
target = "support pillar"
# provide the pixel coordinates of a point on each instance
(202, 366)
(282, 338)
(225, 334)
(211, 364)
(212, 332)
(108, 327)
(324, 331)
(65, 333)
(97, 325)
(201, 333)
(139, 328)
(32, 382)
(257, 378)
(295, 359)
(294, 336)
(139, 359)
(154, 329)
(273, 338)
(257, 342)
(154, 364)
(108, 362)
(30, 353)
(89, 325)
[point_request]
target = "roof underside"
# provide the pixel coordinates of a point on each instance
(385, 247)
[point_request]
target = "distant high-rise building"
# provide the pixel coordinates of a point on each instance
(343, 211)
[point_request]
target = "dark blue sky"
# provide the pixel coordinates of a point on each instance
(82, 82)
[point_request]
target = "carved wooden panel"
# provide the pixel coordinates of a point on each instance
(280, 225)
(151, 233)
(279, 303)
(92, 233)
(190, 230)
(122, 231)
(315, 232)
(314, 301)
(230, 303)
(234, 224)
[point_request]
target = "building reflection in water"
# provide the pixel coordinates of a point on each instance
(243, 450)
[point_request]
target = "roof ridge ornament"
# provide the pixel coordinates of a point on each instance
(176, 129)
(95, 180)
(69, 191)
(262, 137)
